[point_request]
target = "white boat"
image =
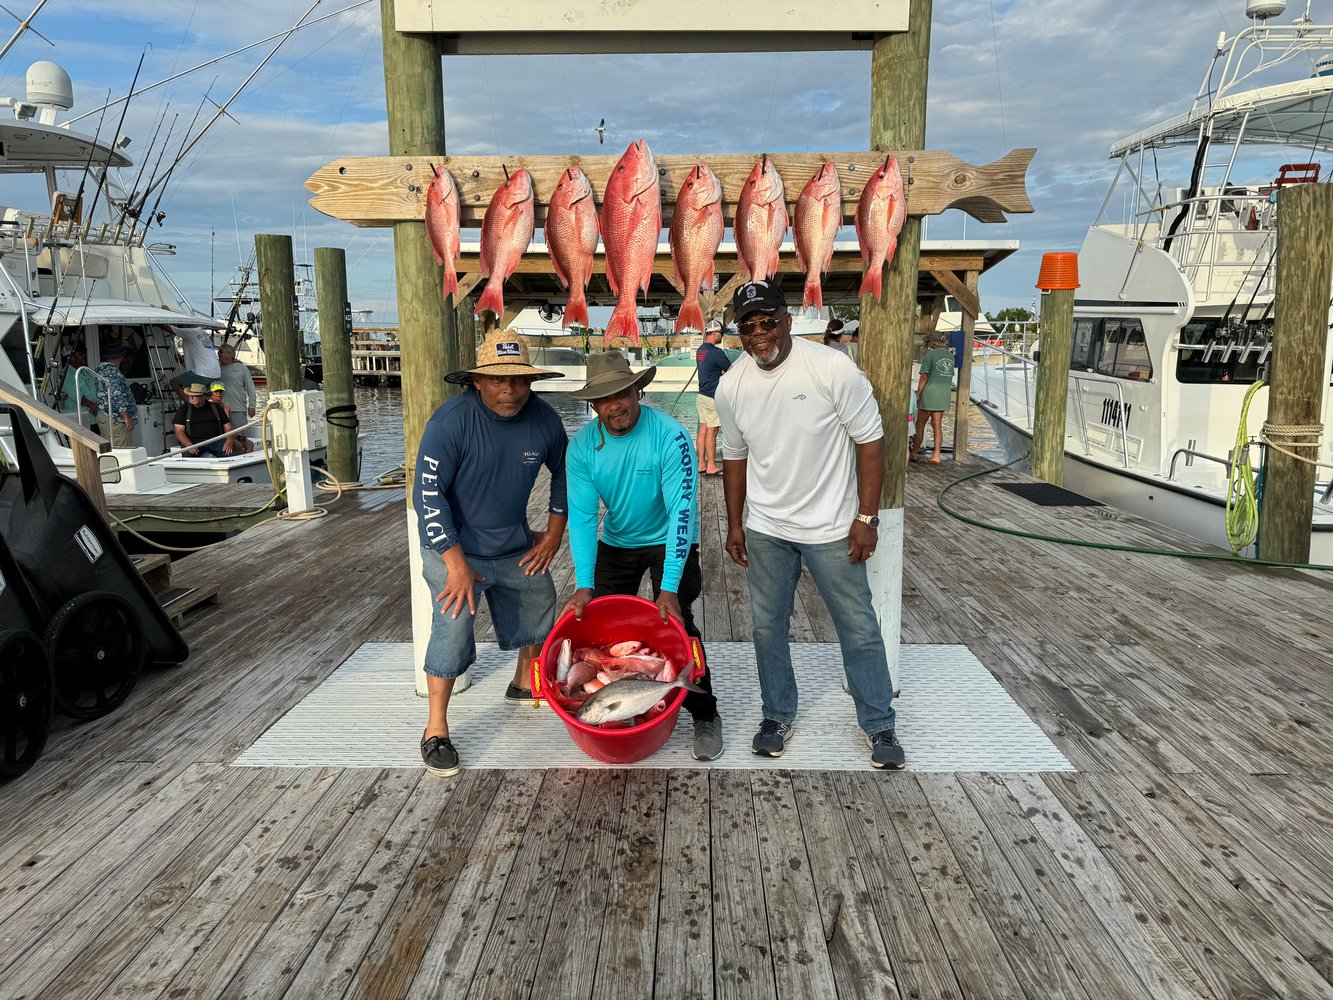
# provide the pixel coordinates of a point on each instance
(68, 280)
(1174, 317)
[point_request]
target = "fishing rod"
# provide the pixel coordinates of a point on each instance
(120, 125)
(137, 211)
(129, 197)
(170, 170)
(87, 167)
(222, 109)
(218, 59)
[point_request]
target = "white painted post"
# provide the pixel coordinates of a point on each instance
(885, 572)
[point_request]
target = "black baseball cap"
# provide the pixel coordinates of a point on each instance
(757, 296)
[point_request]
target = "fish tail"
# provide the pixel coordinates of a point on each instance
(684, 681)
(492, 297)
(624, 322)
(872, 282)
(691, 315)
(576, 309)
(450, 279)
(814, 292)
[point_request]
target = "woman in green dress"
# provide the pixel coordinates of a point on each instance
(932, 393)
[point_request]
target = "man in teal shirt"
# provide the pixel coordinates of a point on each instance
(641, 464)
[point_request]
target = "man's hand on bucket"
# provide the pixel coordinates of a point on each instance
(577, 602)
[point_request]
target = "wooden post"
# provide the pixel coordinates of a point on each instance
(277, 304)
(963, 403)
(1050, 406)
(1297, 377)
(414, 92)
(336, 347)
(898, 71)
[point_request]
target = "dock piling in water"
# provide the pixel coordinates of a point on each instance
(336, 349)
(277, 302)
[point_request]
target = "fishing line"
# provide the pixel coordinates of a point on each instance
(486, 77)
(999, 92)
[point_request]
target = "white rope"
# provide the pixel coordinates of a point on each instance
(1297, 436)
(176, 453)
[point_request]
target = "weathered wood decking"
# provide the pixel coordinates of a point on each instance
(1189, 858)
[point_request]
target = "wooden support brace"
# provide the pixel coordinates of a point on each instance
(955, 286)
(467, 284)
(380, 191)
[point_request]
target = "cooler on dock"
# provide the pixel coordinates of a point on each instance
(606, 621)
(25, 672)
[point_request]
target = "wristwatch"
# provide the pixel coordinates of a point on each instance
(870, 519)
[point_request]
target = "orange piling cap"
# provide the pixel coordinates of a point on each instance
(1059, 272)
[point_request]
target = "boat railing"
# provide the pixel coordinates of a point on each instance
(1191, 453)
(990, 351)
(1078, 379)
(86, 445)
(21, 301)
(97, 394)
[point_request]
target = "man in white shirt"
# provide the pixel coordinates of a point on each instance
(240, 385)
(803, 445)
(201, 358)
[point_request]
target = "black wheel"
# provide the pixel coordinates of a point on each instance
(97, 651)
(25, 701)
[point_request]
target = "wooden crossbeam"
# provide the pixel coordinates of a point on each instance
(955, 286)
(380, 191)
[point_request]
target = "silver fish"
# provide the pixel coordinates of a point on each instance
(626, 698)
(564, 661)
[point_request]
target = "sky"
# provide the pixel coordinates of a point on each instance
(1067, 78)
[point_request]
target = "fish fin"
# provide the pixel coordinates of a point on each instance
(801, 263)
(872, 282)
(624, 322)
(434, 250)
(450, 280)
(559, 271)
(891, 250)
(492, 298)
(814, 292)
(709, 275)
(691, 315)
(576, 310)
(684, 681)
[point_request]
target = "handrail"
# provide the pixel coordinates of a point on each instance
(97, 398)
(1171, 472)
(21, 301)
(43, 414)
(1120, 400)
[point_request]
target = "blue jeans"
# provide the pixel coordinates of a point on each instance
(522, 610)
(214, 449)
(775, 568)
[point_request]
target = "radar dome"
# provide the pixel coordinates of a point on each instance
(1262, 10)
(49, 84)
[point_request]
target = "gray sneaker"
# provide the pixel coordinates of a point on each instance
(771, 740)
(440, 757)
(708, 738)
(886, 751)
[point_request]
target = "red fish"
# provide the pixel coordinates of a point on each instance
(506, 231)
(696, 233)
(571, 237)
(625, 648)
(879, 219)
(631, 223)
(818, 216)
(442, 225)
(761, 222)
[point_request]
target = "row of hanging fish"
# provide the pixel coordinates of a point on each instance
(631, 221)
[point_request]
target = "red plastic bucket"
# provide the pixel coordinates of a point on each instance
(606, 621)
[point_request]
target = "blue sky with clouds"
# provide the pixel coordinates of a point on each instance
(1068, 78)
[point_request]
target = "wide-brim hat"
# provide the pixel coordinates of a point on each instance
(501, 353)
(197, 390)
(609, 373)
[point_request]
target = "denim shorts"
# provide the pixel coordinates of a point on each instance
(522, 610)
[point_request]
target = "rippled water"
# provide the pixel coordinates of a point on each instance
(381, 413)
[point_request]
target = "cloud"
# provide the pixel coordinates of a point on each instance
(1066, 78)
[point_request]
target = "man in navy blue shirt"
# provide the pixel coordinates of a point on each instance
(478, 461)
(712, 362)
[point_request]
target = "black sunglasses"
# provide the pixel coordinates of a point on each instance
(750, 327)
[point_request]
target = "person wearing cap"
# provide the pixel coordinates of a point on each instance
(934, 389)
(476, 467)
(115, 398)
(833, 336)
(639, 463)
(713, 363)
(240, 385)
(240, 444)
(198, 420)
(803, 464)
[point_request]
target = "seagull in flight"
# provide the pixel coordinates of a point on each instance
(601, 132)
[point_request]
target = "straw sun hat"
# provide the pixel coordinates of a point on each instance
(501, 353)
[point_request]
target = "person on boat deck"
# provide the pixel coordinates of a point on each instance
(933, 391)
(802, 468)
(240, 384)
(476, 466)
(242, 445)
(78, 388)
(712, 362)
(639, 463)
(114, 396)
(199, 419)
(201, 359)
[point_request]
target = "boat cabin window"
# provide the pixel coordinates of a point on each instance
(137, 363)
(1210, 354)
(1122, 351)
(1084, 332)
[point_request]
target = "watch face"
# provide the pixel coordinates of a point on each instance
(874, 521)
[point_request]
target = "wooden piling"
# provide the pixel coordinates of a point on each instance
(414, 93)
(963, 399)
(1297, 376)
(1048, 418)
(898, 71)
(277, 303)
(336, 347)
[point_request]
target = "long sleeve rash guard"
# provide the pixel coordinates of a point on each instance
(648, 481)
(475, 472)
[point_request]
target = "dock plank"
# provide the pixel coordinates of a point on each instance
(742, 952)
(685, 913)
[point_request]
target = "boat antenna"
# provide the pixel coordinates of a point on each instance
(25, 24)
